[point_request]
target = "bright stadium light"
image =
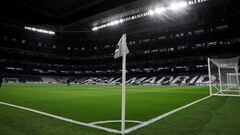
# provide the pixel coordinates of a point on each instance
(174, 6)
(116, 22)
(178, 5)
(160, 10)
(121, 20)
(182, 4)
(151, 12)
(94, 29)
(39, 30)
(112, 23)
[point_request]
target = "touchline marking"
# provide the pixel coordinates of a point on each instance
(163, 115)
(63, 119)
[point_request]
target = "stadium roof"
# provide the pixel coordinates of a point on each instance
(83, 15)
(55, 12)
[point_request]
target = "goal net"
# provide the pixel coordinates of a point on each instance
(224, 77)
(10, 80)
(232, 80)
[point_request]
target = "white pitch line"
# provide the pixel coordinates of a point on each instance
(163, 116)
(63, 119)
(226, 95)
(114, 121)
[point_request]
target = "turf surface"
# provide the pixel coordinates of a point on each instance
(90, 103)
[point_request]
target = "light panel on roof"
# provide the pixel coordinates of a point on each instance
(40, 30)
(151, 12)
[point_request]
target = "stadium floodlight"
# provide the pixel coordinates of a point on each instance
(182, 4)
(94, 28)
(116, 22)
(174, 6)
(178, 5)
(160, 10)
(121, 20)
(151, 12)
(108, 24)
(112, 23)
(40, 30)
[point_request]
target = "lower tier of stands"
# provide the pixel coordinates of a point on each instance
(200, 79)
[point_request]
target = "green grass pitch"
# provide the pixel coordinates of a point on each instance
(91, 103)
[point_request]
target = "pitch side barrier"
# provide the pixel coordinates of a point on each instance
(199, 80)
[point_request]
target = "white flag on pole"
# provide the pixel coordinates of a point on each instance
(122, 51)
(121, 47)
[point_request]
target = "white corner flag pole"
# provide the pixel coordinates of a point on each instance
(122, 51)
(123, 93)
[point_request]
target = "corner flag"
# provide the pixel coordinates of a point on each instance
(122, 51)
(121, 47)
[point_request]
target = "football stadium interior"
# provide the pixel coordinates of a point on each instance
(106, 67)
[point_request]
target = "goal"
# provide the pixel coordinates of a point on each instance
(224, 77)
(232, 80)
(10, 80)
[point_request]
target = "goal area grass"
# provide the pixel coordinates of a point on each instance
(96, 103)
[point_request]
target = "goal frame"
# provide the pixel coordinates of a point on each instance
(220, 89)
(10, 78)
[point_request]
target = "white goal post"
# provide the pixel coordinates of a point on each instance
(224, 76)
(10, 80)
